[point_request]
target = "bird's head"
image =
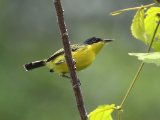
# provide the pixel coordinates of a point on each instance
(94, 40)
(96, 43)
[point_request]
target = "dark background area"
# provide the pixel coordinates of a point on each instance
(29, 32)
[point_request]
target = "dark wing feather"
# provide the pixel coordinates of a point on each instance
(56, 54)
(74, 47)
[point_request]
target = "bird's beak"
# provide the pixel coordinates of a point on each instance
(107, 40)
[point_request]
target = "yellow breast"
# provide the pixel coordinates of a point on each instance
(83, 57)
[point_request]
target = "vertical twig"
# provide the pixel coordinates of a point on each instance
(69, 60)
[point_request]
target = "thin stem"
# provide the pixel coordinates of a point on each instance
(132, 84)
(140, 67)
(69, 60)
(128, 9)
(154, 34)
(119, 115)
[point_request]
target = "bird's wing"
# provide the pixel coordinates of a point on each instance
(74, 48)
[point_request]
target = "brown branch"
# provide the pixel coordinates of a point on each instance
(69, 60)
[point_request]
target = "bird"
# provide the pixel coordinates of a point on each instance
(83, 54)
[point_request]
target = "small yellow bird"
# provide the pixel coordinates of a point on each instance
(83, 55)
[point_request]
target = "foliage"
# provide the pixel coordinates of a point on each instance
(137, 27)
(102, 112)
(143, 28)
(144, 25)
(148, 57)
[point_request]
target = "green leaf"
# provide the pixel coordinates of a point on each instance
(102, 112)
(137, 27)
(153, 57)
(151, 21)
(144, 25)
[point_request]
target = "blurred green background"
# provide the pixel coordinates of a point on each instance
(29, 32)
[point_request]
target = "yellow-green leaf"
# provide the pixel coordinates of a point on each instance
(153, 57)
(144, 25)
(102, 112)
(137, 27)
(151, 20)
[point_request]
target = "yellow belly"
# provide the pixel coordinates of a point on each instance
(82, 57)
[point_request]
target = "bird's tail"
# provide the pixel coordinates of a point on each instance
(34, 65)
